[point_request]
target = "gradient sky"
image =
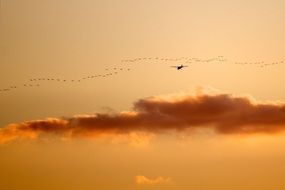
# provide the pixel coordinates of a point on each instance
(75, 38)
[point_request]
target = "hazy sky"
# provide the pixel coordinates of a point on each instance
(78, 38)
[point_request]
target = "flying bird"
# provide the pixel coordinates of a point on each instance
(178, 67)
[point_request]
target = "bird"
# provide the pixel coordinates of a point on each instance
(178, 67)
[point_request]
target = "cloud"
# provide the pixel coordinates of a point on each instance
(142, 180)
(223, 113)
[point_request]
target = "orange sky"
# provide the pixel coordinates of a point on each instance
(67, 40)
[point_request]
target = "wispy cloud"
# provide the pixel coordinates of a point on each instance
(224, 113)
(143, 180)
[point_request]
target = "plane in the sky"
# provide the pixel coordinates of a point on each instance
(178, 67)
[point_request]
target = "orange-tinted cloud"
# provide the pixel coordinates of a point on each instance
(142, 180)
(224, 113)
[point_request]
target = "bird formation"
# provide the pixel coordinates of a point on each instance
(35, 82)
(261, 64)
(191, 60)
(26, 85)
(181, 59)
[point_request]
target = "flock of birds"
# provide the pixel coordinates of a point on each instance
(193, 60)
(36, 82)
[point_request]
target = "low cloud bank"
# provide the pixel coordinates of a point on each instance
(224, 113)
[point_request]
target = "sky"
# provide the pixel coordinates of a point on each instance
(216, 124)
